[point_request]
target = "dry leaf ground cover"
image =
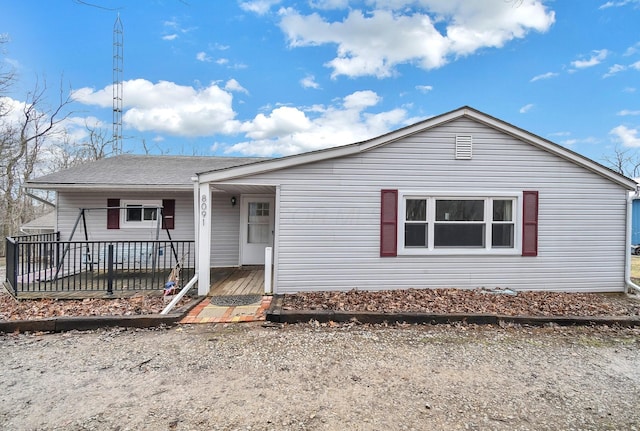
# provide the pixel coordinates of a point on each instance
(455, 301)
(12, 309)
(436, 301)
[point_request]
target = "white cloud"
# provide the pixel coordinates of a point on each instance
(281, 122)
(547, 75)
(375, 41)
(526, 108)
(361, 100)
(626, 112)
(288, 130)
(574, 141)
(222, 61)
(233, 85)
(632, 49)
(616, 68)
(329, 4)
(628, 137)
(596, 58)
(309, 81)
(170, 37)
(166, 107)
(424, 88)
(202, 56)
(635, 65)
(620, 3)
(260, 7)
(220, 47)
(629, 90)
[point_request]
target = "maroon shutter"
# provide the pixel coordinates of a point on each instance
(530, 223)
(389, 223)
(168, 213)
(113, 215)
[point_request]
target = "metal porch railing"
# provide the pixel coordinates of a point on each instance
(43, 264)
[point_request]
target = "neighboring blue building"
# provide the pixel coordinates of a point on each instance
(635, 222)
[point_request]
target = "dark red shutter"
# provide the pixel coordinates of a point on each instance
(529, 223)
(389, 223)
(113, 215)
(168, 213)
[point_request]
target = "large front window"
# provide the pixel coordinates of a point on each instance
(433, 224)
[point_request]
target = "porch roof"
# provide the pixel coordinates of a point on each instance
(136, 171)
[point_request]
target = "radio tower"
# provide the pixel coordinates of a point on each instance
(118, 60)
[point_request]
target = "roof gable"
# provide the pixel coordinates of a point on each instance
(220, 175)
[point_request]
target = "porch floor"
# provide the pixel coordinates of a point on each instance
(237, 281)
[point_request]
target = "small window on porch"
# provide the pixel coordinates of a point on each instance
(142, 213)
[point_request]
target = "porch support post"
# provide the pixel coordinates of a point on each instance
(204, 238)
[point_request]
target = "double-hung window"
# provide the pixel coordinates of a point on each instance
(457, 224)
(140, 213)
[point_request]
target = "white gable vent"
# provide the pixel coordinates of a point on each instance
(464, 146)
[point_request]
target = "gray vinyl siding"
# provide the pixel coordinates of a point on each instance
(329, 227)
(225, 231)
(225, 221)
(70, 202)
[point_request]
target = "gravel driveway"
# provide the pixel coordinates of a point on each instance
(314, 377)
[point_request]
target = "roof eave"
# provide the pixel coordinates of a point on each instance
(110, 186)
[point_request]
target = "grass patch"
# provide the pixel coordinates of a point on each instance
(635, 267)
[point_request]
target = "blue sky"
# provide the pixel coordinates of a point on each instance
(278, 77)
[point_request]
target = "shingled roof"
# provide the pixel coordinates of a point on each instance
(134, 171)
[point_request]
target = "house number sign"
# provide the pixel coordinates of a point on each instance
(203, 207)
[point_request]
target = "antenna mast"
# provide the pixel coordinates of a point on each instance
(118, 60)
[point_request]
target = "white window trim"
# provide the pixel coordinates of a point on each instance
(431, 196)
(145, 224)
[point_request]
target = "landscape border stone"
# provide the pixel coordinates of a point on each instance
(86, 323)
(276, 314)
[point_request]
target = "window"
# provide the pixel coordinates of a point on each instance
(503, 224)
(258, 223)
(415, 226)
(457, 224)
(142, 214)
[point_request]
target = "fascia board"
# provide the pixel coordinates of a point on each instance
(132, 187)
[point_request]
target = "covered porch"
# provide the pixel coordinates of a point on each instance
(236, 229)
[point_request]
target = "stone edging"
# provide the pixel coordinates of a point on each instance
(85, 323)
(278, 315)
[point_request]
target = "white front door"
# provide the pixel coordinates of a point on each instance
(256, 228)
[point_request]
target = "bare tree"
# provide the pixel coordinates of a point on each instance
(624, 161)
(21, 144)
(68, 153)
